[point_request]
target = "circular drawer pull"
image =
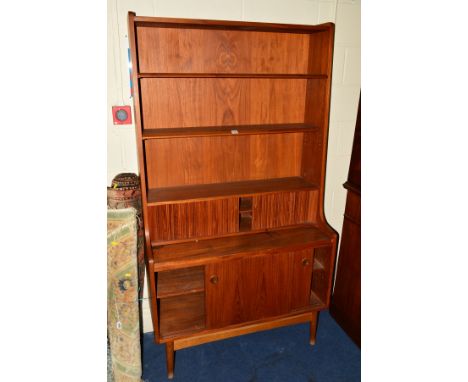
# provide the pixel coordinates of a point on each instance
(305, 262)
(214, 279)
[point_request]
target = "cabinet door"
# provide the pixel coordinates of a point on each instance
(257, 287)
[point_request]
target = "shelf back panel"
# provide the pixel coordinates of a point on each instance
(175, 50)
(205, 160)
(198, 102)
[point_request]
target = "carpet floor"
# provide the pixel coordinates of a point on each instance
(278, 355)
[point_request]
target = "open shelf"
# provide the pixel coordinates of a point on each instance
(315, 301)
(232, 75)
(181, 314)
(245, 223)
(198, 192)
(318, 265)
(195, 253)
(245, 204)
(180, 281)
(227, 130)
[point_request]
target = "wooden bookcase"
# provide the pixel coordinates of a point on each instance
(232, 124)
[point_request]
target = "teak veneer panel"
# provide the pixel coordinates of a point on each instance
(199, 192)
(284, 208)
(194, 219)
(198, 102)
(228, 130)
(319, 54)
(180, 255)
(253, 288)
(180, 282)
(166, 50)
(205, 160)
(181, 314)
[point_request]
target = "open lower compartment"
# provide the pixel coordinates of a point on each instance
(183, 292)
(181, 314)
(322, 272)
(181, 300)
(180, 282)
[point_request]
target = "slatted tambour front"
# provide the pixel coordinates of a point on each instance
(195, 219)
(284, 209)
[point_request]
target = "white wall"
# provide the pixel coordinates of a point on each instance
(121, 150)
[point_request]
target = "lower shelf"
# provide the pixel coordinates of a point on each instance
(180, 282)
(184, 315)
(181, 314)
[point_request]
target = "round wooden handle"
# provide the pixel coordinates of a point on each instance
(214, 279)
(305, 262)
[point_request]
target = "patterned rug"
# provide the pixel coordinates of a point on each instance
(123, 324)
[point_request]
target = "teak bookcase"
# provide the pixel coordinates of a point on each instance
(232, 123)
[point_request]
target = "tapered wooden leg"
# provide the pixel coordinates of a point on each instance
(170, 359)
(313, 329)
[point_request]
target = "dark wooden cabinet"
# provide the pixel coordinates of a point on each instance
(232, 126)
(346, 301)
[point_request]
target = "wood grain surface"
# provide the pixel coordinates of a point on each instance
(181, 281)
(198, 102)
(252, 288)
(205, 160)
(166, 50)
(194, 219)
(182, 314)
(228, 130)
(284, 208)
(212, 191)
(181, 255)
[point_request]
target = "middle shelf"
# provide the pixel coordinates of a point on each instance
(198, 192)
(175, 132)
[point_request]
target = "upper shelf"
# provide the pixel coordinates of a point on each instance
(200, 192)
(232, 75)
(227, 130)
